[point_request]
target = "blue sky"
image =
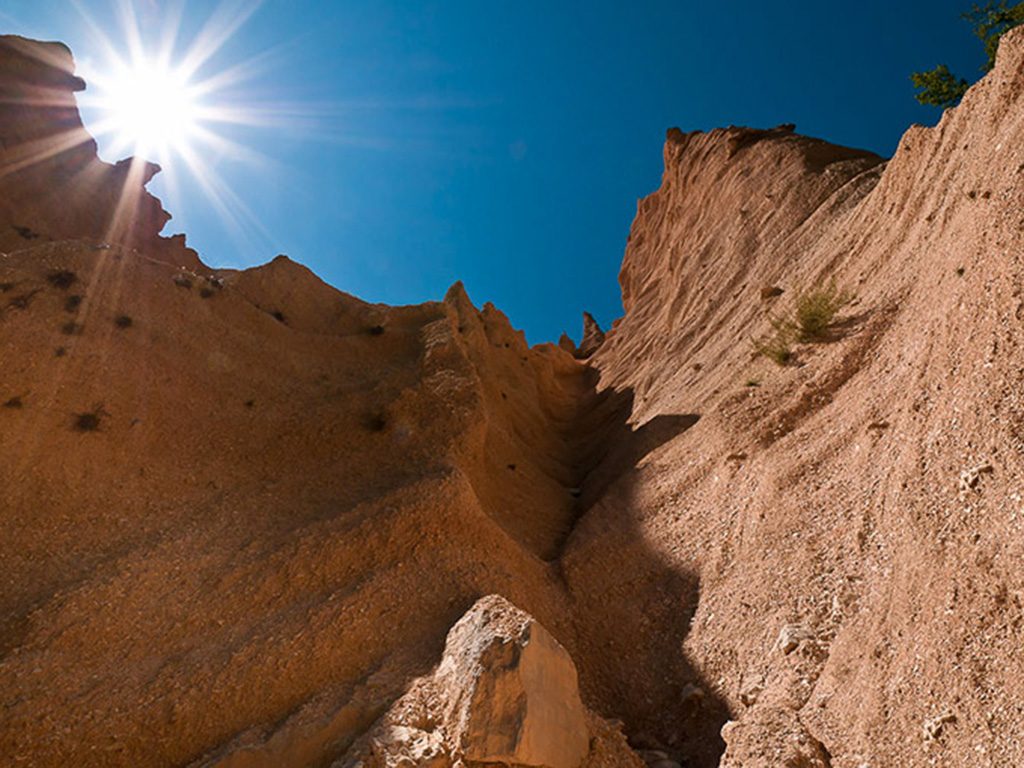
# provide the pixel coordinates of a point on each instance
(504, 143)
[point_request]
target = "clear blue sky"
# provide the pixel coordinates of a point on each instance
(506, 143)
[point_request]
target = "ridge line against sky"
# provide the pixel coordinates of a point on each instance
(395, 148)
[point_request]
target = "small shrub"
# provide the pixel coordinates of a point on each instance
(776, 346)
(753, 383)
(813, 313)
(376, 330)
(182, 281)
(71, 328)
(14, 402)
(815, 310)
(62, 279)
(5, 287)
(89, 421)
(211, 285)
(60, 352)
(123, 321)
(72, 303)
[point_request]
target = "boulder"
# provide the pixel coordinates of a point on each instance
(512, 690)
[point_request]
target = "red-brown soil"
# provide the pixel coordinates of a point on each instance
(237, 529)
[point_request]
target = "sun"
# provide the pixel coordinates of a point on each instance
(150, 108)
(158, 97)
(180, 102)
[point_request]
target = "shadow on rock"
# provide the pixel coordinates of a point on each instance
(632, 606)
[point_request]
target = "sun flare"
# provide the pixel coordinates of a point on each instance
(158, 95)
(150, 108)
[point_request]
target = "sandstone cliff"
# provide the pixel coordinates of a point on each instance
(243, 511)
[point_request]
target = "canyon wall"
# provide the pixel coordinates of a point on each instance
(243, 510)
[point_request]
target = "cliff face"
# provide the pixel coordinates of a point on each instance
(242, 510)
(869, 495)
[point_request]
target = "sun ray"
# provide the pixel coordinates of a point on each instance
(130, 26)
(127, 209)
(232, 209)
(172, 26)
(226, 19)
(33, 152)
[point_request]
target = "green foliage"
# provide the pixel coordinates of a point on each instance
(777, 346)
(991, 22)
(816, 309)
(812, 315)
(941, 88)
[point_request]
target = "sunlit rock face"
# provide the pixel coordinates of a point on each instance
(242, 512)
(52, 184)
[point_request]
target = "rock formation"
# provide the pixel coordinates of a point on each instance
(249, 519)
(565, 342)
(593, 337)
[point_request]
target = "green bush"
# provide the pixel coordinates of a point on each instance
(816, 309)
(813, 313)
(941, 88)
(777, 346)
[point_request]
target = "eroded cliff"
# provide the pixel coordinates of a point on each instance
(243, 510)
